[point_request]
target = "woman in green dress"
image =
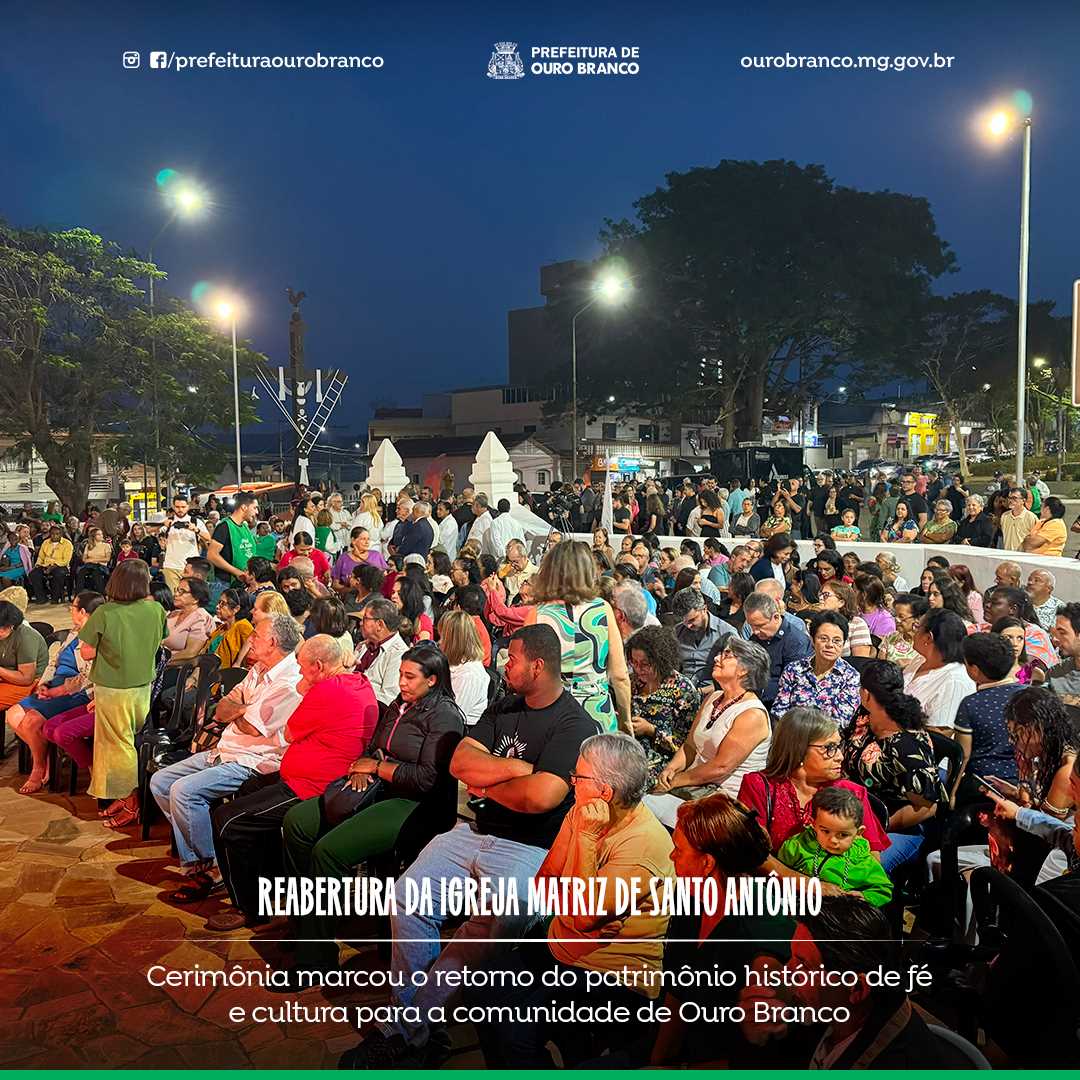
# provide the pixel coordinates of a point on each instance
(121, 638)
(594, 670)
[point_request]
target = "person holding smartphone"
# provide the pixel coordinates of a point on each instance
(182, 536)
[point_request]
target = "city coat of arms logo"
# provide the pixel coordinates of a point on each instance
(505, 62)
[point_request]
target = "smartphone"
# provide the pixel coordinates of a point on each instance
(993, 787)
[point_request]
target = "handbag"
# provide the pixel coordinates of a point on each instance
(340, 802)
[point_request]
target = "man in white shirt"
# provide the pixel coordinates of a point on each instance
(519, 567)
(254, 712)
(483, 520)
(380, 660)
(503, 529)
(180, 538)
(448, 528)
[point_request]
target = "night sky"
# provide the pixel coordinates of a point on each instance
(416, 204)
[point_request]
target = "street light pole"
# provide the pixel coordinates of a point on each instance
(573, 391)
(1021, 344)
(236, 408)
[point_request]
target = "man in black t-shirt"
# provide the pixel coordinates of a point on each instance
(517, 761)
(916, 504)
(620, 516)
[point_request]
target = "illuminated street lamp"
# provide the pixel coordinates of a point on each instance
(1000, 124)
(185, 200)
(227, 311)
(608, 290)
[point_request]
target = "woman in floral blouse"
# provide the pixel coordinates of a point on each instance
(899, 646)
(664, 701)
(889, 752)
(824, 681)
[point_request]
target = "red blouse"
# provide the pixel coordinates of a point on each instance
(786, 817)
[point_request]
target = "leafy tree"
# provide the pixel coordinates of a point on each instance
(961, 347)
(76, 375)
(755, 281)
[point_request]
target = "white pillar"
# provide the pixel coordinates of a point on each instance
(387, 471)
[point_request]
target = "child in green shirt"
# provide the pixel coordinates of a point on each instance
(834, 849)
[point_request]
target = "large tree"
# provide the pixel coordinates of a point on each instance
(960, 347)
(755, 281)
(78, 378)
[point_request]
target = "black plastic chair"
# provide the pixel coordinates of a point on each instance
(1034, 1029)
(45, 630)
(161, 746)
(952, 753)
(230, 678)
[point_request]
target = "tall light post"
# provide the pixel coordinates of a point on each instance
(226, 310)
(186, 201)
(1000, 123)
(609, 290)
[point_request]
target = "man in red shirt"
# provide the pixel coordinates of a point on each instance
(327, 732)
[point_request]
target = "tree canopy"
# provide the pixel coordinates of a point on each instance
(77, 378)
(755, 281)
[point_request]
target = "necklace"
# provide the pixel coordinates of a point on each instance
(721, 707)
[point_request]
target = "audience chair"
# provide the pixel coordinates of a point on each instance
(1028, 1002)
(162, 746)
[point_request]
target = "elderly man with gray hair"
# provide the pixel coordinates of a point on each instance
(631, 609)
(328, 731)
(1040, 587)
(782, 636)
(254, 714)
(699, 634)
(608, 836)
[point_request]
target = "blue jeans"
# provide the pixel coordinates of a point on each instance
(458, 854)
(185, 790)
(903, 847)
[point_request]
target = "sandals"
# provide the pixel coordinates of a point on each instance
(126, 815)
(32, 786)
(113, 808)
(197, 887)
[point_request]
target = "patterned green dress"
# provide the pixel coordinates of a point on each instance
(583, 634)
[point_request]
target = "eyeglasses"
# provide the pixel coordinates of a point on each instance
(576, 777)
(829, 750)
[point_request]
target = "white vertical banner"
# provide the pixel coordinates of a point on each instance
(607, 513)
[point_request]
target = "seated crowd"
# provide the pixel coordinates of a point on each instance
(652, 714)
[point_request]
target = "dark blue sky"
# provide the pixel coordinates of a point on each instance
(415, 204)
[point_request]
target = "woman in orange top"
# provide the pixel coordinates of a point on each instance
(1048, 534)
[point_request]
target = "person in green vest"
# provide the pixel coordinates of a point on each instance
(266, 542)
(324, 530)
(233, 542)
(1034, 495)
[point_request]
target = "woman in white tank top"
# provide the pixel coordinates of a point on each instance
(730, 736)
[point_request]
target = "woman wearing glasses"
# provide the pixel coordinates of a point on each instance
(804, 757)
(729, 738)
(824, 681)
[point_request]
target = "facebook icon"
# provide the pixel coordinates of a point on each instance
(159, 59)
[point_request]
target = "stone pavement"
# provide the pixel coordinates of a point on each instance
(84, 911)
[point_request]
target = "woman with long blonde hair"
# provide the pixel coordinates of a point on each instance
(594, 669)
(369, 514)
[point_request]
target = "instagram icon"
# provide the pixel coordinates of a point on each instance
(131, 59)
(159, 59)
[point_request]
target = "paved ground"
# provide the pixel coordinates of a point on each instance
(84, 912)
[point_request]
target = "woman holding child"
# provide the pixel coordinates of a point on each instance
(804, 758)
